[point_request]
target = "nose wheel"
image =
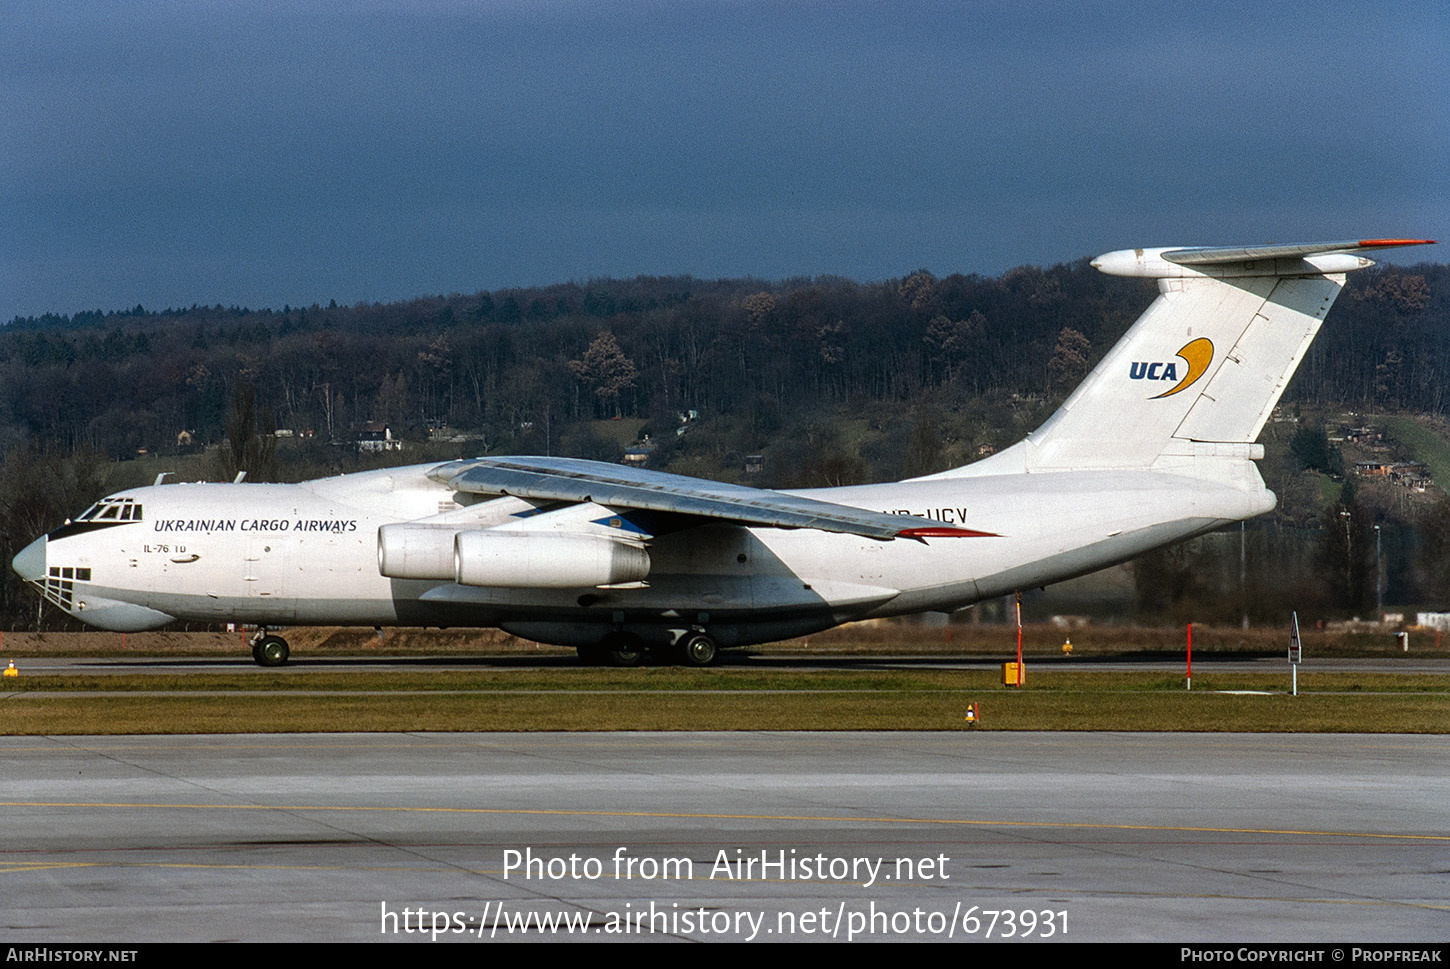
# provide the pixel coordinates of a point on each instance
(270, 651)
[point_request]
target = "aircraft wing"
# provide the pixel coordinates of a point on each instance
(622, 488)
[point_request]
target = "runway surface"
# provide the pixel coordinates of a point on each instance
(686, 836)
(303, 663)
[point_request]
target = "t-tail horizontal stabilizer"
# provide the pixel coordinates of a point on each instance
(1194, 379)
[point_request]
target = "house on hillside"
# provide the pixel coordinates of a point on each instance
(377, 436)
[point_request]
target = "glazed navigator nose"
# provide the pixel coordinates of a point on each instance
(30, 563)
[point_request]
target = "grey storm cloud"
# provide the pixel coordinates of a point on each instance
(260, 153)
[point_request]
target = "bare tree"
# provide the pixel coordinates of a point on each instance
(605, 368)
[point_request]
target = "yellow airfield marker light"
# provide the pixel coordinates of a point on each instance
(971, 716)
(1067, 646)
(11, 670)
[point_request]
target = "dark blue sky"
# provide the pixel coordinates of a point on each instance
(262, 153)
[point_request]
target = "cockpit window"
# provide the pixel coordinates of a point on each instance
(112, 509)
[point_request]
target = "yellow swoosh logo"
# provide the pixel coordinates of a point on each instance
(1199, 354)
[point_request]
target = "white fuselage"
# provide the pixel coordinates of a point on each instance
(308, 554)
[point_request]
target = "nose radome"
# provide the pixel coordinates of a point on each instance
(30, 563)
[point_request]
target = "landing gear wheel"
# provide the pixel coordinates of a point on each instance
(697, 649)
(271, 651)
(622, 649)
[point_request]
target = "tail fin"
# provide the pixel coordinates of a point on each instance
(1199, 372)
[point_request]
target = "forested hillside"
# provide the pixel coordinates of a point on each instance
(828, 380)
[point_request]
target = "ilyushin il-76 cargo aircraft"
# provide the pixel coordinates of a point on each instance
(1155, 446)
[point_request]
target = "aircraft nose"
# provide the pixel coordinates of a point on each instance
(30, 563)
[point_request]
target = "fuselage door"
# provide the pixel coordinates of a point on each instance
(264, 566)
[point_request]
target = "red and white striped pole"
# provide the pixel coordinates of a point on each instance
(1190, 656)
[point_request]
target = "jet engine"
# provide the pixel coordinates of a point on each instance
(508, 558)
(416, 552)
(553, 560)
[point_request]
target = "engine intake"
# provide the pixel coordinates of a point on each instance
(416, 552)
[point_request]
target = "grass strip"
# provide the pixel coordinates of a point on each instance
(677, 679)
(667, 699)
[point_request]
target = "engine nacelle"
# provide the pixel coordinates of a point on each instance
(416, 552)
(548, 560)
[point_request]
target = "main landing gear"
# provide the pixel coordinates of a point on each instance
(625, 650)
(617, 649)
(696, 649)
(269, 649)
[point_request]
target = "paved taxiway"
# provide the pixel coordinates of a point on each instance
(1185, 837)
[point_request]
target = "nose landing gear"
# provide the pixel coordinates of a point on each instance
(268, 649)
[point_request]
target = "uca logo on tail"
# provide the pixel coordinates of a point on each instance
(1198, 354)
